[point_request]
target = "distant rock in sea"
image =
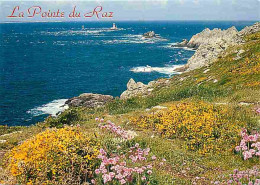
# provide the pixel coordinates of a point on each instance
(89, 100)
(149, 34)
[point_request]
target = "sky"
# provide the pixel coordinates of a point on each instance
(141, 10)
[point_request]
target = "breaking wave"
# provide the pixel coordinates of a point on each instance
(52, 108)
(169, 70)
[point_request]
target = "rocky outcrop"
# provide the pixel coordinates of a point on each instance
(89, 100)
(210, 44)
(134, 89)
(184, 43)
(140, 89)
(149, 34)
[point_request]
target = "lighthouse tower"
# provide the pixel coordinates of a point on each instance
(114, 27)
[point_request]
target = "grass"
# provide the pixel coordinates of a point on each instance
(235, 84)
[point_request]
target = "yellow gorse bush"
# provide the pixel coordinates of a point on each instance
(54, 156)
(203, 126)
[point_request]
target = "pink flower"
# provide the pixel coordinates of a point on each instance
(106, 178)
(149, 172)
(139, 170)
(164, 160)
(122, 181)
(153, 157)
(237, 148)
(143, 178)
(258, 110)
(96, 119)
(247, 155)
(97, 171)
(93, 181)
(102, 120)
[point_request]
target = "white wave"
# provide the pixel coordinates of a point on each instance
(52, 108)
(86, 31)
(185, 48)
(134, 39)
(169, 70)
(171, 46)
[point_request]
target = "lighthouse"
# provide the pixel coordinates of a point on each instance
(114, 27)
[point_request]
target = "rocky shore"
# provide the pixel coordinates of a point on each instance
(209, 45)
(89, 100)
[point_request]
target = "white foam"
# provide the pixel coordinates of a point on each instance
(52, 108)
(185, 48)
(171, 46)
(86, 31)
(169, 70)
(134, 39)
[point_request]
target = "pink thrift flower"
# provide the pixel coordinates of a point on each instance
(237, 148)
(149, 172)
(122, 181)
(96, 119)
(247, 155)
(153, 157)
(143, 178)
(258, 110)
(93, 181)
(97, 171)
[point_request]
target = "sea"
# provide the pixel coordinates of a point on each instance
(44, 64)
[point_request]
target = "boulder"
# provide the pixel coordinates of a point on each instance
(134, 89)
(89, 100)
(184, 43)
(140, 89)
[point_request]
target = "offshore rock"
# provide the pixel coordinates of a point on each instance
(89, 100)
(149, 34)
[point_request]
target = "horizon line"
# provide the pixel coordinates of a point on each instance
(125, 21)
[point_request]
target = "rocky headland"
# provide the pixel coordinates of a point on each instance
(209, 44)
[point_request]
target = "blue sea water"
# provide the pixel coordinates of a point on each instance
(43, 64)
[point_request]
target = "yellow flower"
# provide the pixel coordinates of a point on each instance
(51, 155)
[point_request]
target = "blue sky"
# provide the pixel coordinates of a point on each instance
(142, 10)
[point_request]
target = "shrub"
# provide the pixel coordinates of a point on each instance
(66, 118)
(204, 126)
(55, 156)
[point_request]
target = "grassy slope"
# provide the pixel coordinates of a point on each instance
(227, 81)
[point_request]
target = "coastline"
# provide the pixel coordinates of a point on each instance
(141, 89)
